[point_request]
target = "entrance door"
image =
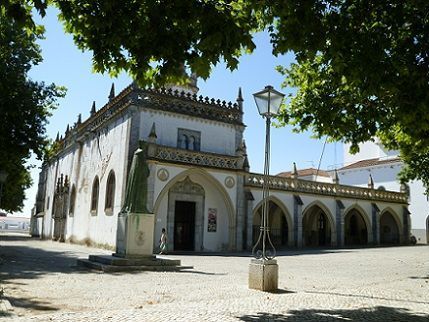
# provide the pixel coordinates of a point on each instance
(184, 225)
(322, 229)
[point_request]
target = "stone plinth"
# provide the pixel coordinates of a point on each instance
(263, 275)
(135, 235)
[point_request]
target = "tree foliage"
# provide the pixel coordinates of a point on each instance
(362, 70)
(24, 107)
(361, 65)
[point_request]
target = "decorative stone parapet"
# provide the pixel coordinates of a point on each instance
(158, 99)
(322, 188)
(204, 159)
(190, 104)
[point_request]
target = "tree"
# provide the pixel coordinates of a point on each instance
(362, 71)
(25, 106)
(361, 66)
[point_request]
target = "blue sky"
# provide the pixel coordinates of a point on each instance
(66, 65)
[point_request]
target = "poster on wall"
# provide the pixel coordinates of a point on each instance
(212, 220)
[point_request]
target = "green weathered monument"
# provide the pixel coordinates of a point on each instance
(135, 224)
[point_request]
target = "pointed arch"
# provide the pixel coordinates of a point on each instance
(94, 195)
(207, 176)
(314, 235)
(286, 214)
(109, 201)
(365, 217)
(395, 216)
(399, 227)
(325, 209)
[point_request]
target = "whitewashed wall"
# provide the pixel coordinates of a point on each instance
(216, 137)
(217, 195)
(367, 150)
(102, 151)
(383, 175)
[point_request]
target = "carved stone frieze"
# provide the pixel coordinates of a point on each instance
(321, 188)
(186, 103)
(229, 182)
(197, 158)
(163, 174)
(187, 187)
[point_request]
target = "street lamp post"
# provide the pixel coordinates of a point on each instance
(263, 270)
(3, 177)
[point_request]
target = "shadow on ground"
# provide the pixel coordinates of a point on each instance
(20, 262)
(379, 313)
(279, 253)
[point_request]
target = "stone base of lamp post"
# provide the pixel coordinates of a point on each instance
(263, 275)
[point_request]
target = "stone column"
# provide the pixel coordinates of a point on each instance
(249, 214)
(297, 220)
(406, 225)
(375, 224)
(340, 222)
(240, 213)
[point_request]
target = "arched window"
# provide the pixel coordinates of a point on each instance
(183, 141)
(382, 188)
(110, 191)
(191, 143)
(72, 200)
(94, 196)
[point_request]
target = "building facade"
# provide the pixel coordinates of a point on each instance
(384, 166)
(199, 185)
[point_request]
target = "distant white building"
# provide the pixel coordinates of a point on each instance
(199, 186)
(383, 166)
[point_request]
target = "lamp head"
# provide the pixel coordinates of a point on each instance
(268, 101)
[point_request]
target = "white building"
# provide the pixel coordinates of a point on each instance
(383, 166)
(199, 186)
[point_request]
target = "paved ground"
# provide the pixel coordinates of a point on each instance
(42, 283)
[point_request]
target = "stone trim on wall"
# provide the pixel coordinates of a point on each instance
(326, 189)
(187, 190)
(189, 104)
(198, 158)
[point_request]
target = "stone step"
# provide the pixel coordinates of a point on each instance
(126, 268)
(120, 261)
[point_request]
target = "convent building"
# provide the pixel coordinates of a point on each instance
(199, 184)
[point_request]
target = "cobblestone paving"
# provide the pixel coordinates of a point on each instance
(42, 283)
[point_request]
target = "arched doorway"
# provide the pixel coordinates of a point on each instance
(389, 230)
(174, 208)
(355, 229)
(316, 228)
(277, 222)
(185, 218)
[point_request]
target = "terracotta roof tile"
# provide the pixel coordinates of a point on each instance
(305, 173)
(370, 162)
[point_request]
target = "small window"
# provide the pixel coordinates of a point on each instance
(110, 191)
(72, 201)
(94, 196)
(47, 203)
(188, 139)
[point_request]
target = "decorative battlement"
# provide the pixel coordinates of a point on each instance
(328, 189)
(204, 159)
(190, 104)
(161, 99)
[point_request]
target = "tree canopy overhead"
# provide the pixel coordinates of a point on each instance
(361, 70)
(24, 108)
